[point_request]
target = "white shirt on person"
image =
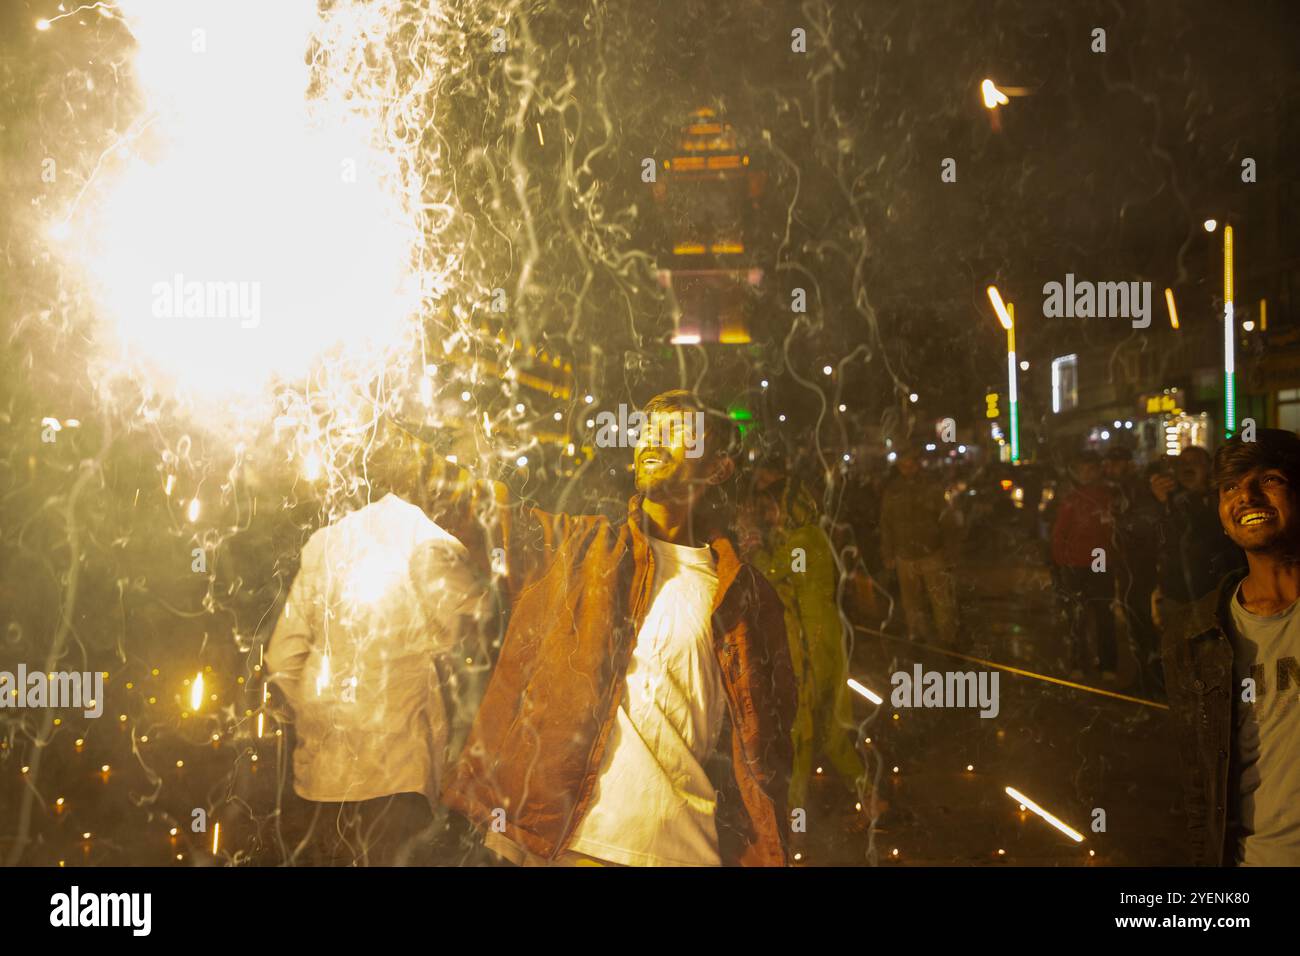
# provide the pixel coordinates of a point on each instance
(1266, 735)
(376, 600)
(654, 804)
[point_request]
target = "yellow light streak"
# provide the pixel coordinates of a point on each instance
(1000, 307)
(1227, 264)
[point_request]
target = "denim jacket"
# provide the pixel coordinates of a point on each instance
(1199, 679)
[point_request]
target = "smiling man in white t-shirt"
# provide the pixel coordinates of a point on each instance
(1259, 506)
(654, 803)
(635, 650)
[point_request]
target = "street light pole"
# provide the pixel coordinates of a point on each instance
(1011, 383)
(1229, 340)
(1006, 314)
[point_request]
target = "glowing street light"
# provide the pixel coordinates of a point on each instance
(993, 97)
(999, 307)
(1007, 317)
(1173, 311)
(1211, 225)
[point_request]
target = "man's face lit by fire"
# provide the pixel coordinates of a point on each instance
(1258, 511)
(669, 462)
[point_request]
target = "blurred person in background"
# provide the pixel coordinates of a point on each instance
(1134, 511)
(1083, 551)
(779, 534)
(1193, 553)
(858, 520)
(917, 541)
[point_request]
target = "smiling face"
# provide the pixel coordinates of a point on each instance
(666, 470)
(1259, 511)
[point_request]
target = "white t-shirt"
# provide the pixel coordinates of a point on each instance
(1267, 734)
(654, 804)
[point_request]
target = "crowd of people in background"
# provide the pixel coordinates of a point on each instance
(1136, 549)
(1129, 550)
(1130, 553)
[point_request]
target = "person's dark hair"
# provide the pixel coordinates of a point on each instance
(1272, 448)
(1191, 451)
(721, 436)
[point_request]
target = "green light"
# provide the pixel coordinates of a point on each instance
(1229, 403)
(742, 417)
(1015, 431)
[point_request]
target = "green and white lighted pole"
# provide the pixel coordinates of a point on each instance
(1006, 313)
(1229, 340)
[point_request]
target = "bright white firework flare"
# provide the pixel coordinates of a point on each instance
(323, 677)
(196, 692)
(1019, 797)
(248, 220)
(264, 235)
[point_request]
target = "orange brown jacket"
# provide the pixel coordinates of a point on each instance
(580, 588)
